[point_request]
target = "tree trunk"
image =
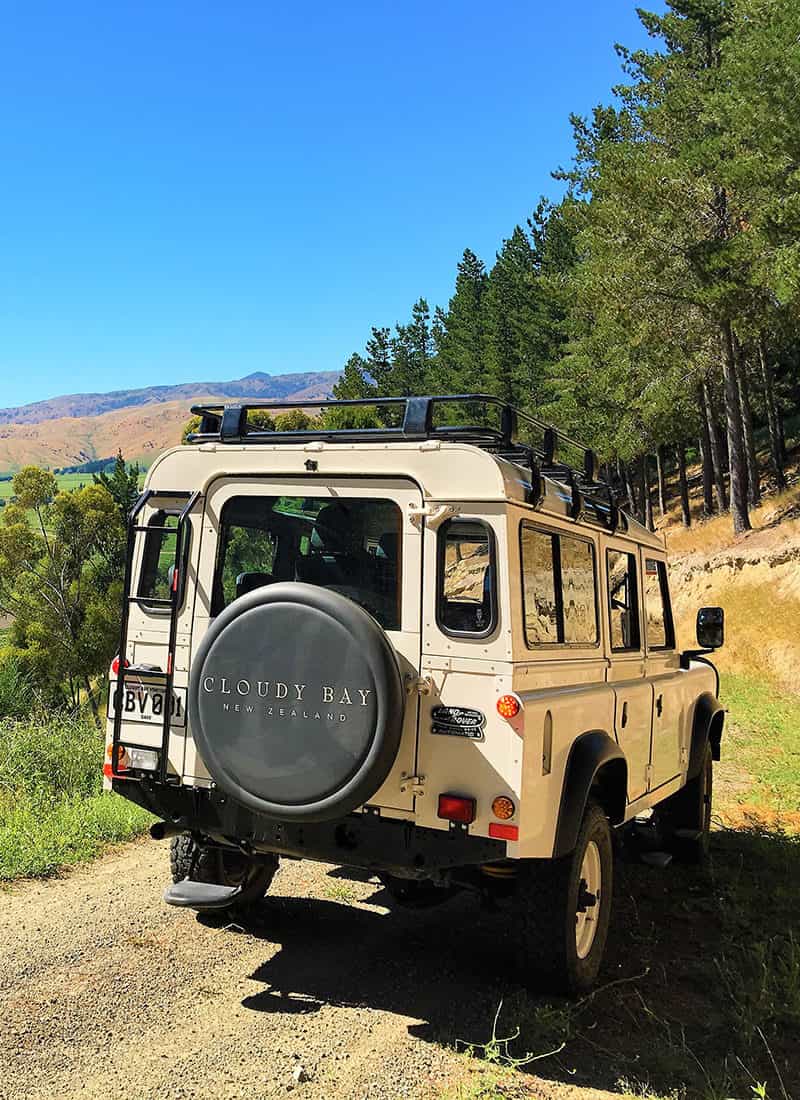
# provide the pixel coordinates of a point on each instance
(708, 473)
(662, 484)
(646, 510)
(736, 443)
(772, 414)
(714, 448)
(753, 476)
(686, 515)
(92, 702)
(629, 491)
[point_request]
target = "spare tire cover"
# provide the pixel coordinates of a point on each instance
(296, 702)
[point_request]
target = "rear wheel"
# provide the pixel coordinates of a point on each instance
(563, 910)
(685, 817)
(194, 861)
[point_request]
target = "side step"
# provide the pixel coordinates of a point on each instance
(201, 895)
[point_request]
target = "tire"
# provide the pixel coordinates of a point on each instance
(562, 923)
(415, 893)
(685, 817)
(190, 860)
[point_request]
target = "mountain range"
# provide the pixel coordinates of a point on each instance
(76, 428)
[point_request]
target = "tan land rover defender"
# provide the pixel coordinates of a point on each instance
(432, 650)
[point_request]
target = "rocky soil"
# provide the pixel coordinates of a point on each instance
(107, 992)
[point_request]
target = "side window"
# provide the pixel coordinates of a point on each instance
(539, 587)
(467, 602)
(155, 579)
(579, 597)
(623, 600)
(659, 628)
(559, 589)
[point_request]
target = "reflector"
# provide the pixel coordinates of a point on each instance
(503, 832)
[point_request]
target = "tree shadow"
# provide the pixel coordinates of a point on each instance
(700, 991)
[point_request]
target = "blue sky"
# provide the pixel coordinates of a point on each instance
(198, 191)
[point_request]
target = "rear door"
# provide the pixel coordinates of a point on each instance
(351, 535)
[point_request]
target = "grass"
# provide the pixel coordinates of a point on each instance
(52, 811)
(763, 733)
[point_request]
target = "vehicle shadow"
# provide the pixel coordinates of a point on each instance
(700, 991)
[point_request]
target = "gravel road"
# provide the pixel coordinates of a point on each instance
(107, 992)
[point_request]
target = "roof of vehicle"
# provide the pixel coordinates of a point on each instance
(444, 471)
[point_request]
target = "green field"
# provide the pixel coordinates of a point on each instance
(65, 483)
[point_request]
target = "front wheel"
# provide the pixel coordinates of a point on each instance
(563, 909)
(193, 861)
(685, 817)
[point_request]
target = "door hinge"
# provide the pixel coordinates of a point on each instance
(433, 513)
(412, 784)
(648, 775)
(422, 685)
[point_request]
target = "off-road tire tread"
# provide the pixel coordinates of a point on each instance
(544, 932)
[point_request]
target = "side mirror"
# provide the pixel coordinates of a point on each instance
(710, 627)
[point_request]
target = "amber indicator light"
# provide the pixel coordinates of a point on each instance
(503, 808)
(508, 706)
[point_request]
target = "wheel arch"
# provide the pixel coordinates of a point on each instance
(595, 765)
(707, 725)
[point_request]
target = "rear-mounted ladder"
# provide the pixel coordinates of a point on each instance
(166, 677)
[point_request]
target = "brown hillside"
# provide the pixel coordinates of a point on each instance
(140, 431)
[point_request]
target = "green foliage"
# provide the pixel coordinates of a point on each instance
(52, 812)
(61, 559)
(192, 425)
(295, 420)
(16, 685)
(673, 259)
(122, 484)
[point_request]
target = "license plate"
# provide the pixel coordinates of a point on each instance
(143, 702)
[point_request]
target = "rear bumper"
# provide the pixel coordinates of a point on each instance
(357, 840)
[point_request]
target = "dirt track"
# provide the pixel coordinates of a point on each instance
(107, 992)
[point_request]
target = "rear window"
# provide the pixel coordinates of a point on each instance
(350, 545)
(158, 559)
(467, 604)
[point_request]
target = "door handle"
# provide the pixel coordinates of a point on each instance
(624, 720)
(659, 705)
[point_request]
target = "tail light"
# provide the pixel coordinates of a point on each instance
(122, 762)
(115, 665)
(454, 807)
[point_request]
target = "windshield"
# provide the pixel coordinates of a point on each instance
(350, 545)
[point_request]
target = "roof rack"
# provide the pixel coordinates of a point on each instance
(415, 421)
